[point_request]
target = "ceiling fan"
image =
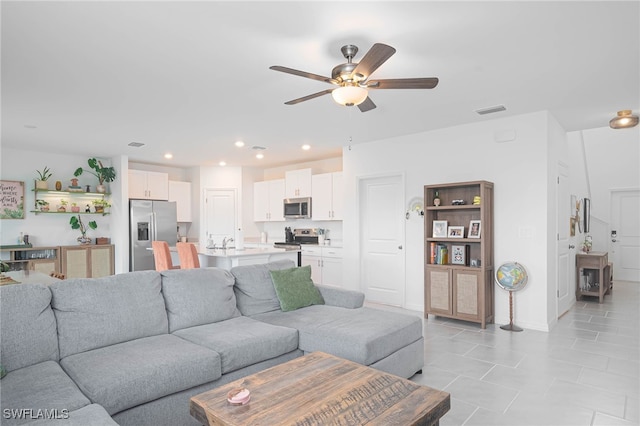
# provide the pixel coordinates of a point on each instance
(353, 80)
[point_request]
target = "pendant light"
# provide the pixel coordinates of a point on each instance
(624, 120)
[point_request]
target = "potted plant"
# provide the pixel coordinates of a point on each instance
(104, 174)
(76, 223)
(43, 176)
(75, 208)
(42, 205)
(63, 205)
(99, 205)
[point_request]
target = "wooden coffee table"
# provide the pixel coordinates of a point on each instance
(321, 389)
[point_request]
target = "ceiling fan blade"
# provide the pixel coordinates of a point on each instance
(376, 56)
(404, 83)
(303, 74)
(367, 105)
(308, 97)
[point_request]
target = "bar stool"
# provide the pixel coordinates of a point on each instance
(162, 256)
(188, 255)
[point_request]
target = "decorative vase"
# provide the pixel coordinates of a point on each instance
(44, 208)
(84, 240)
(436, 200)
(58, 185)
(101, 188)
(62, 209)
(74, 182)
(42, 184)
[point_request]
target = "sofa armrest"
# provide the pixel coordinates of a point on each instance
(342, 298)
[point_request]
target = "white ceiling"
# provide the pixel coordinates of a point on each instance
(191, 78)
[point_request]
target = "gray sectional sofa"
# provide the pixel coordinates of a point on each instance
(131, 349)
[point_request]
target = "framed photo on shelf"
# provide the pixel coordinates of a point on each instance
(460, 255)
(440, 228)
(456, 232)
(475, 227)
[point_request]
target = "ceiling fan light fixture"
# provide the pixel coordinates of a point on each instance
(350, 95)
(624, 120)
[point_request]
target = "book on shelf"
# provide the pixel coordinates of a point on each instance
(441, 254)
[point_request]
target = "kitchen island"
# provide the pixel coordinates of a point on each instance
(228, 258)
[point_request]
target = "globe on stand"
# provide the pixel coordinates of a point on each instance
(511, 276)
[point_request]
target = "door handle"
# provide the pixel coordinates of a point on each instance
(571, 246)
(400, 247)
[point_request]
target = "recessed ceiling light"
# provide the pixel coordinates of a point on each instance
(222, 163)
(260, 156)
(168, 155)
(136, 144)
(306, 147)
(239, 144)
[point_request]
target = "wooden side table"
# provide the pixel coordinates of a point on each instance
(588, 267)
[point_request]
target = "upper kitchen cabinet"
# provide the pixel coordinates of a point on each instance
(148, 185)
(268, 199)
(180, 192)
(298, 183)
(327, 196)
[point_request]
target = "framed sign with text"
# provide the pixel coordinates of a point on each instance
(11, 199)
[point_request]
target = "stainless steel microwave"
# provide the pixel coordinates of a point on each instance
(297, 208)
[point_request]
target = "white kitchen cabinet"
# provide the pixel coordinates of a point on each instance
(148, 185)
(326, 264)
(180, 192)
(327, 196)
(267, 200)
(298, 183)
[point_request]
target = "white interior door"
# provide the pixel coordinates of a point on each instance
(565, 281)
(220, 214)
(381, 206)
(625, 243)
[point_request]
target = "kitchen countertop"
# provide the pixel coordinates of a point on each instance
(232, 252)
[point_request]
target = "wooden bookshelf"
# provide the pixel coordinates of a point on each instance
(459, 287)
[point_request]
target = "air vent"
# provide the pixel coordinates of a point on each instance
(136, 144)
(491, 110)
(258, 148)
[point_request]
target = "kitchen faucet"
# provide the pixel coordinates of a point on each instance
(225, 241)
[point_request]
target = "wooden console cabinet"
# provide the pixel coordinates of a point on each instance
(87, 261)
(459, 290)
(593, 275)
(40, 259)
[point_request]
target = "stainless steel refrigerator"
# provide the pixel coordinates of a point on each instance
(149, 221)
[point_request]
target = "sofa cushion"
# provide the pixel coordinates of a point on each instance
(97, 312)
(295, 289)
(132, 373)
(363, 335)
(254, 289)
(242, 341)
(28, 334)
(94, 415)
(198, 296)
(43, 386)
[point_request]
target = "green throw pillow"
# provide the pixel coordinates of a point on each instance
(295, 288)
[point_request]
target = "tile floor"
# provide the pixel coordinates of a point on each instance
(586, 371)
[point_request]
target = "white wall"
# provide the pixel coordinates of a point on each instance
(520, 171)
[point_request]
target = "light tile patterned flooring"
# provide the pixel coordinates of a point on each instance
(584, 372)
